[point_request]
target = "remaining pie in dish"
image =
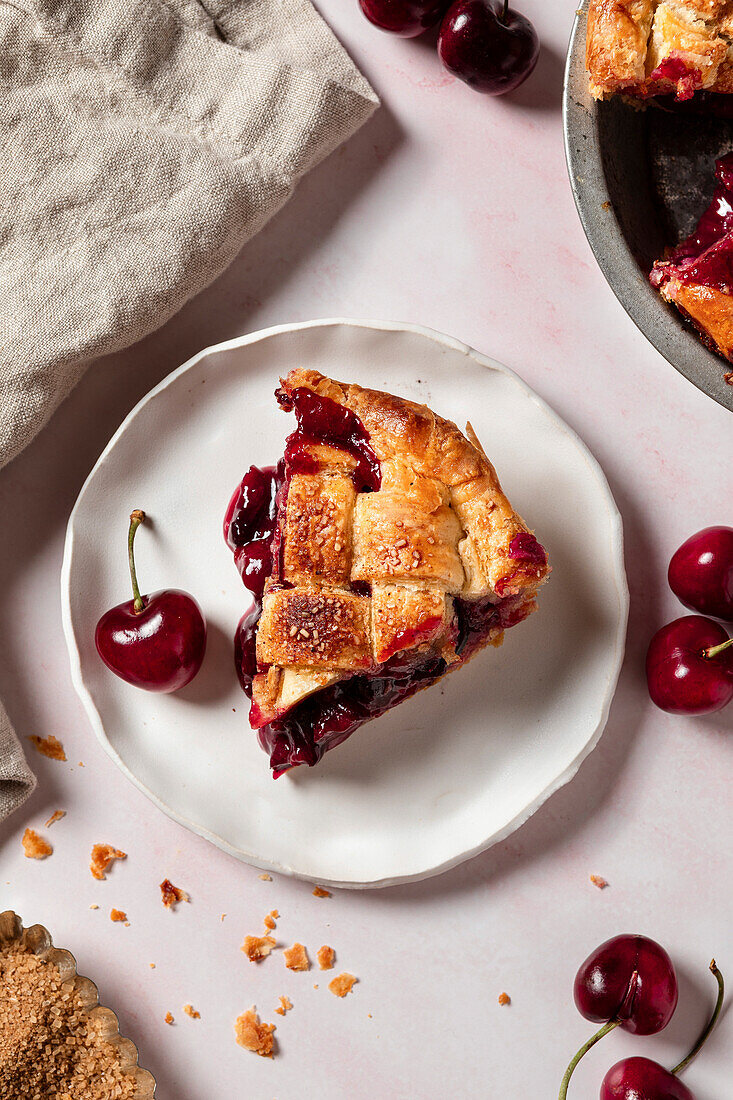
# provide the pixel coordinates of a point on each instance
(647, 48)
(697, 275)
(382, 554)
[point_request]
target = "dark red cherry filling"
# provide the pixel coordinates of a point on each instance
(706, 256)
(321, 420)
(525, 547)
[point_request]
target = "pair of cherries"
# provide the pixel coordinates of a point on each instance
(689, 664)
(485, 43)
(630, 982)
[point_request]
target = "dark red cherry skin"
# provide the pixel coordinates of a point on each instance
(160, 648)
(642, 1079)
(605, 987)
(491, 53)
(407, 18)
(681, 679)
(701, 572)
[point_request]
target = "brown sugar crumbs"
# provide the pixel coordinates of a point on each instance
(55, 816)
(102, 856)
(48, 746)
(257, 947)
(319, 892)
(326, 956)
(296, 957)
(504, 999)
(171, 894)
(285, 1005)
(117, 915)
(168, 1018)
(599, 882)
(271, 918)
(34, 846)
(342, 984)
(254, 1035)
(191, 1011)
(49, 1045)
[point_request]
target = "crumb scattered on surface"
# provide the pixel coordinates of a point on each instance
(102, 856)
(599, 882)
(320, 892)
(729, 377)
(191, 1011)
(171, 894)
(117, 915)
(254, 1035)
(315, 985)
(296, 957)
(94, 907)
(48, 746)
(257, 947)
(49, 1045)
(285, 1005)
(168, 1017)
(270, 919)
(55, 816)
(81, 763)
(152, 966)
(34, 846)
(326, 956)
(504, 999)
(342, 984)
(266, 878)
(222, 916)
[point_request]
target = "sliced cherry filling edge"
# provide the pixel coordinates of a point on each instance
(329, 716)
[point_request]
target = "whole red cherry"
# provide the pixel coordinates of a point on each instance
(407, 18)
(689, 666)
(155, 642)
(488, 45)
(641, 1079)
(701, 572)
(630, 979)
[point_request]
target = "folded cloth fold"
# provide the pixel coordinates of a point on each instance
(17, 781)
(145, 141)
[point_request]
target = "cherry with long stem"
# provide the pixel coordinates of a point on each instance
(704, 1034)
(136, 518)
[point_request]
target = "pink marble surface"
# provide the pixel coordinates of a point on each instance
(454, 211)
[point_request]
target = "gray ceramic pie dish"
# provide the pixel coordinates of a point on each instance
(641, 179)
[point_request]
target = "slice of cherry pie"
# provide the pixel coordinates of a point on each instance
(382, 554)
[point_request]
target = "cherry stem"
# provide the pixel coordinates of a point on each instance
(711, 1022)
(136, 518)
(608, 1026)
(714, 650)
(505, 12)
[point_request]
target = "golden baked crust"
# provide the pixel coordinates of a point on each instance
(364, 576)
(709, 309)
(659, 47)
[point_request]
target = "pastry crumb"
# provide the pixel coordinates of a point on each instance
(48, 746)
(285, 1005)
(152, 966)
(34, 846)
(117, 915)
(265, 877)
(326, 956)
(315, 985)
(342, 984)
(257, 947)
(504, 999)
(168, 1018)
(271, 918)
(171, 894)
(94, 907)
(55, 816)
(320, 892)
(253, 1035)
(191, 1011)
(102, 857)
(599, 882)
(296, 957)
(222, 916)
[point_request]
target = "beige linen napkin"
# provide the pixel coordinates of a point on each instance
(144, 142)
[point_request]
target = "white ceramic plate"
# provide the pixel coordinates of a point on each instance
(440, 777)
